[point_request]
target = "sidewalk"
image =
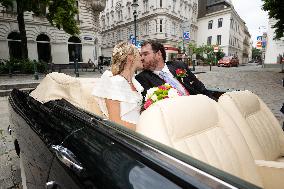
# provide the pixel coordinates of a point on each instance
(29, 78)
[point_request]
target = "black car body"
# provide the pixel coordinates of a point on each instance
(62, 146)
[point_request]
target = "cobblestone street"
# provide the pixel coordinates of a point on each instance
(266, 83)
(10, 176)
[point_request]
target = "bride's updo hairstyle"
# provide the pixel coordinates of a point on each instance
(120, 54)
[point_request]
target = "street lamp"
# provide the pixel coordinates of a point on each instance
(135, 6)
(76, 59)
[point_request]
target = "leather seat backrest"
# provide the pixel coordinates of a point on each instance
(88, 101)
(197, 126)
(57, 86)
(257, 123)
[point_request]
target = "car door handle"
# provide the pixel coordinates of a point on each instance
(67, 158)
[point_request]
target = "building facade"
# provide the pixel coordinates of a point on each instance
(160, 20)
(274, 48)
(222, 26)
(49, 44)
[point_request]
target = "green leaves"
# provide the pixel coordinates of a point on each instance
(7, 3)
(275, 10)
(62, 15)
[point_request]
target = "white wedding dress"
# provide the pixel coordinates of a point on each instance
(117, 88)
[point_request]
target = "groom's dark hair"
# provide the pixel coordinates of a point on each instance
(156, 46)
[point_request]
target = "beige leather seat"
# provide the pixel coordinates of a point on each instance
(77, 91)
(199, 127)
(261, 130)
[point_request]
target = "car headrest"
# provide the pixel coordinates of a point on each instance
(246, 101)
(178, 117)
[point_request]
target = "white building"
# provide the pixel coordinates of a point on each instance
(47, 43)
(274, 48)
(160, 20)
(221, 25)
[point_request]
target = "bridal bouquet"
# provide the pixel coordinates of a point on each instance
(159, 93)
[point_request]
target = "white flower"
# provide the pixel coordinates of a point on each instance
(172, 93)
(154, 97)
(167, 85)
(150, 92)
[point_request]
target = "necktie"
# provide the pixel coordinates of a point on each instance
(170, 80)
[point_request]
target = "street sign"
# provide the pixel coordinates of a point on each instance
(88, 38)
(216, 49)
(259, 45)
(186, 35)
(133, 41)
(259, 38)
(138, 44)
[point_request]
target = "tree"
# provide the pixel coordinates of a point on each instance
(209, 52)
(275, 10)
(194, 50)
(256, 54)
(61, 14)
(220, 54)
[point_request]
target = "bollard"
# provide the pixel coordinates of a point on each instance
(35, 71)
(193, 65)
(10, 70)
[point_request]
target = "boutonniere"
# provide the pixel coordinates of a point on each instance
(181, 73)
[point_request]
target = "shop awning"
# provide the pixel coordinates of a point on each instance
(171, 49)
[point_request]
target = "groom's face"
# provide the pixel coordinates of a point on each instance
(149, 58)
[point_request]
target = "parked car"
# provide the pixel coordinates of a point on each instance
(228, 61)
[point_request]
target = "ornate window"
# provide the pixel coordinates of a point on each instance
(220, 22)
(210, 24)
(219, 39)
(209, 40)
(146, 28)
(161, 25)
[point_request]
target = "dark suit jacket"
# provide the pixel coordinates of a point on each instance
(148, 80)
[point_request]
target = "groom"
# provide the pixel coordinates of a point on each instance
(157, 72)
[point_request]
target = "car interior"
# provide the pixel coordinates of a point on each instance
(238, 134)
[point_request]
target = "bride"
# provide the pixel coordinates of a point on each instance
(118, 92)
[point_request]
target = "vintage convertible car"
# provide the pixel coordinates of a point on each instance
(63, 145)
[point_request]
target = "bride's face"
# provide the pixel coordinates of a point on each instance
(137, 62)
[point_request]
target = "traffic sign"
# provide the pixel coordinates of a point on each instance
(259, 45)
(138, 44)
(186, 35)
(259, 38)
(216, 48)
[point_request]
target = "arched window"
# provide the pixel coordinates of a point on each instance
(14, 44)
(74, 49)
(43, 48)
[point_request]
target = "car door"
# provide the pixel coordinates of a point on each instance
(37, 126)
(104, 163)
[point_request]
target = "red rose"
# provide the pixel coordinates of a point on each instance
(148, 103)
(162, 87)
(181, 72)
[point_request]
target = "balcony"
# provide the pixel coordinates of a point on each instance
(97, 5)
